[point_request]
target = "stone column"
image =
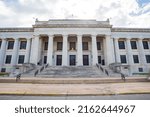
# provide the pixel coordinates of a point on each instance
(79, 51)
(109, 51)
(35, 50)
(117, 50)
(2, 52)
(15, 52)
(141, 52)
(94, 50)
(28, 48)
(65, 51)
(129, 55)
(50, 50)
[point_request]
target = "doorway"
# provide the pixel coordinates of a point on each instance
(85, 59)
(59, 60)
(72, 60)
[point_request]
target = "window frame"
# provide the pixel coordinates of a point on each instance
(59, 46)
(45, 45)
(7, 59)
(20, 59)
(72, 45)
(147, 58)
(22, 46)
(85, 46)
(121, 45)
(9, 46)
(99, 45)
(146, 45)
(123, 60)
(133, 44)
(136, 59)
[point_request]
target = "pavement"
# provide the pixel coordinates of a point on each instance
(69, 89)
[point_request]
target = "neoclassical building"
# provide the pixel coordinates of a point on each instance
(75, 43)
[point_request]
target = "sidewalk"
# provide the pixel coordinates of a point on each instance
(74, 89)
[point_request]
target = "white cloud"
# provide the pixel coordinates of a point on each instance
(125, 13)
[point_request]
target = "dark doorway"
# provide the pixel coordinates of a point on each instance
(72, 60)
(59, 60)
(99, 60)
(85, 59)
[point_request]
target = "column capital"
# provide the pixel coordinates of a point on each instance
(50, 35)
(117, 38)
(140, 39)
(34, 36)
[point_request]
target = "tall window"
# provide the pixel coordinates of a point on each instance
(135, 58)
(21, 59)
(0, 44)
(145, 45)
(85, 45)
(133, 45)
(23, 44)
(121, 44)
(147, 58)
(123, 58)
(45, 59)
(8, 59)
(10, 45)
(46, 46)
(59, 45)
(98, 45)
(72, 45)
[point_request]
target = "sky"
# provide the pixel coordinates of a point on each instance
(121, 13)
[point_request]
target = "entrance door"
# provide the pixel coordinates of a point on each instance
(85, 59)
(72, 60)
(59, 60)
(99, 59)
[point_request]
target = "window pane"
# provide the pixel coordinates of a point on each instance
(21, 59)
(23, 44)
(46, 46)
(98, 45)
(121, 44)
(135, 59)
(147, 58)
(8, 59)
(123, 58)
(85, 45)
(59, 45)
(72, 45)
(10, 44)
(133, 45)
(145, 45)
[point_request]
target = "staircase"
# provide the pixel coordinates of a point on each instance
(71, 72)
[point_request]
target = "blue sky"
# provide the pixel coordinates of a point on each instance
(122, 13)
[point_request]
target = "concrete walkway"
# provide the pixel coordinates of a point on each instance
(74, 89)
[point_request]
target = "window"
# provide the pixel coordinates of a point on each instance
(135, 58)
(140, 69)
(8, 59)
(10, 44)
(98, 45)
(46, 46)
(3, 70)
(123, 58)
(45, 59)
(147, 58)
(145, 45)
(72, 45)
(59, 45)
(21, 59)
(23, 44)
(0, 44)
(133, 45)
(85, 45)
(99, 59)
(121, 44)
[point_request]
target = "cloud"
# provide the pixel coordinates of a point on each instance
(122, 13)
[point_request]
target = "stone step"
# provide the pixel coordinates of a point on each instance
(72, 80)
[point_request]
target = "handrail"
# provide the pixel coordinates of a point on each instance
(36, 72)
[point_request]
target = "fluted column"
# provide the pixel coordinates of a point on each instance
(35, 50)
(109, 51)
(50, 50)
(94, 50)
(117, 50)
(141, 52)
(15, 52)
(79, 51)
(2, 52)
(129, 55)
(28, 48)
(65, 51)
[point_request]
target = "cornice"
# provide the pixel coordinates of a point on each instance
(145, 30)
(16, 30)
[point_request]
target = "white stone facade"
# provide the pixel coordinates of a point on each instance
(75, 43)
